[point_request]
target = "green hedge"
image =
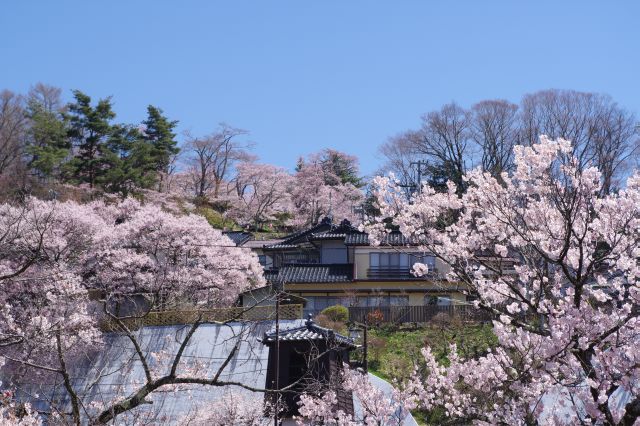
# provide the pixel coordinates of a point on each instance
(337, 313)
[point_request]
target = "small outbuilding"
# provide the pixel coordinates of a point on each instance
(310, 359)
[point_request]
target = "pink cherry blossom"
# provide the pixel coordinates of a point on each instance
(557, 264)
(65, 266)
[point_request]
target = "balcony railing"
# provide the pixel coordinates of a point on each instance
(396, 273)
(296, 258)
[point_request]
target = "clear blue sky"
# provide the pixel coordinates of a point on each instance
(304, 75)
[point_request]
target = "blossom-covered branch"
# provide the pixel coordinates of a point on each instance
(557, 263)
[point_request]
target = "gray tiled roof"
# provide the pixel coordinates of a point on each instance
(258, 244)
(280, 246)
(357, 240)
(324, 225)
(270, 274)
(309, 331)
(301, 334)
(328, 236)
(315, 273)
(326, 229)
(238, 237)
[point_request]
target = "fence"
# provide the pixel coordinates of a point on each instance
(417, 314)
(252, 313)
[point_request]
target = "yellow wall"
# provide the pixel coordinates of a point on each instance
(361, 259)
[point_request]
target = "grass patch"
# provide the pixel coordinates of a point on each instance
(216, 219)
(395, 353)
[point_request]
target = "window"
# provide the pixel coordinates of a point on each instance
(427, 259)
(381, 301)
(262, 259)
(371, 301)
(445, 300)
(395, 260)
(399, 300)
(315, 304)
(334, 255)
(437, 300)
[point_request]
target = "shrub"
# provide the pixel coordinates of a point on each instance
(376, 346)
(215, 218)
(324, 321)
(375, 318)
(336, 313)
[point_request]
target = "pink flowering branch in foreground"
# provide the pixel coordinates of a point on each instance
(66, 267)
(377, 407)
(557, 264)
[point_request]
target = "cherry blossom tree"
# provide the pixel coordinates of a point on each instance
(557, 264)
(13, 414)
(213, 157)
(263, 193)
(318, 191)
(376, 407)
(231, 409)
(65, 268)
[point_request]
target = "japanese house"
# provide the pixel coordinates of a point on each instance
(330, 264)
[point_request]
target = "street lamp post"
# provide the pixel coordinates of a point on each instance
(354, 333)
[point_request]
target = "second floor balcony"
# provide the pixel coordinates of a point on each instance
(396, 273)
(296, 258)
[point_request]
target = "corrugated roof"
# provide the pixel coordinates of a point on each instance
(109, 373)
(315, 273)
(113, 371)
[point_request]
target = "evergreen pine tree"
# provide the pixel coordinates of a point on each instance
(90, 129)
(128, 160)
(159, 135)
(48, 141)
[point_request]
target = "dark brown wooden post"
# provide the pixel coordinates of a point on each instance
(277, 361)
(365, 361)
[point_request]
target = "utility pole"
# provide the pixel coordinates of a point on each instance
(419, 165)
(277, 361)
(279, 288)
(359, 210)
